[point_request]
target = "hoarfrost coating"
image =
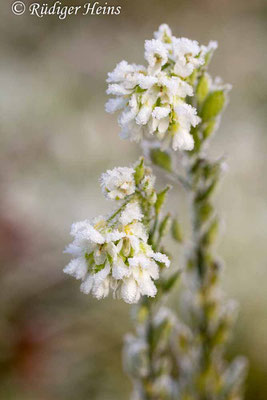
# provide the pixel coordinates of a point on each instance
(112, 253)
(154, 98)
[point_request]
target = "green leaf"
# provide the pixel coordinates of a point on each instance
(209, 236)
(195, 132)
(212, 170)
(162, 159)
(205, 211)
(213, 105)
(202, 89)
(209, 128)
(139, 171)
(206, 193)
(176, 231)
(160, 199)
(165, 225)
(138, 89)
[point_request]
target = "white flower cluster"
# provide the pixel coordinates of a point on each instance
(153, 99)
(120, 183)
(113, 253)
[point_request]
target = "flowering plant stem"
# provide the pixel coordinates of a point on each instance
(173, 101)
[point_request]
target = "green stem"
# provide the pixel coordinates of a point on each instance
(117, 211)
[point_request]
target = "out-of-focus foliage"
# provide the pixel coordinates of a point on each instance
(56, 343)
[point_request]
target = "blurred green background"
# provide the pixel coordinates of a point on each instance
(56, 139)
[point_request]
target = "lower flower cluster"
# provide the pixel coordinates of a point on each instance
(112, 253)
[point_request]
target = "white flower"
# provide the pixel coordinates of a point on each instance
(150, 96)
(131, 212)
(156, 54)
(161, 112)
(77, 268)
(142, 271)
(113, 254)
(164, 33)
(160, 121)
(129, 291)
(94, 244)
(162, 258)
(186, 54)
(115, 104)
(123, 71)
(98, 283)
(186, 117)
(93, 240)
(128, 114)
(118, 183)
(146, 81)
(118, 90)
(174, 87)
(144, 114)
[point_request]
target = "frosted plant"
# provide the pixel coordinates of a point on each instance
(171, 105)
(154, 98)
(112, 253)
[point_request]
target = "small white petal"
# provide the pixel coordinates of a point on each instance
(163, 125)
(161, 112)
(182, 140)
(117, 90)
(84, 231)
(145, 82)
(162, 258)
(147, 286)
(131, 212)
(144, 115)
(74, 250)
(99, 256)
(155, 53)
(120, 72)
(116, 104)
(164, 33)
(130, 291)
(100, 276)
(101, 291)
(87, 285)
(119, 269)
(77, 268)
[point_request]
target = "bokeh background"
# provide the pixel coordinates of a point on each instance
(56, 139)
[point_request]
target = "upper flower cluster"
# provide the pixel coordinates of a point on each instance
(112, 253)
(153, 98)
